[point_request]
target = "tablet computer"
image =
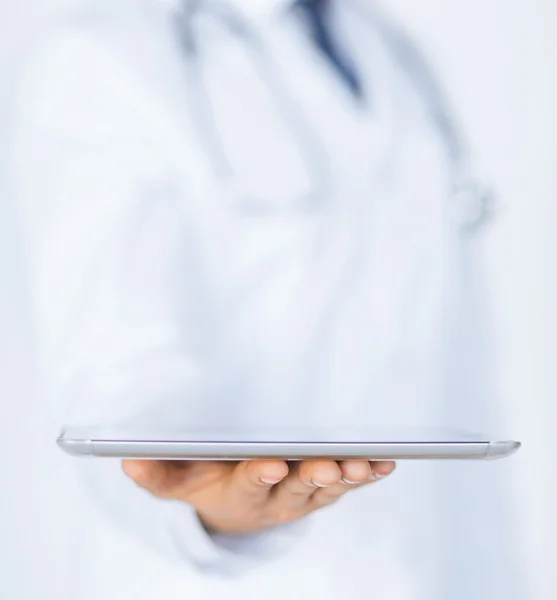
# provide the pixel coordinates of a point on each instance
(286, 443)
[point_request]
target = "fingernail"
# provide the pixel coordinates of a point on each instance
(375, 476)
(269, 480)
(344, 480)
(321, 485)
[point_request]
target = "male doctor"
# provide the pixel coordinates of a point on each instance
(250, 212)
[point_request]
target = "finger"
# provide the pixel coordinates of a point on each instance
(355, 474)
(296, 490)
(381, 468)
(254, 479)
(355, 471)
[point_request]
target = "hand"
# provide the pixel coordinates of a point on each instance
(249, 496)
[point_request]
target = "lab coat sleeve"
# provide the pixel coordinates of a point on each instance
(117, 281)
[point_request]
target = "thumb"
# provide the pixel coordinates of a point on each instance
(174, 479)
(149, 474)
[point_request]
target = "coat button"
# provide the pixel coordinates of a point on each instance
(472, 205)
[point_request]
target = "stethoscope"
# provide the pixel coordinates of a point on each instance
(471, 202)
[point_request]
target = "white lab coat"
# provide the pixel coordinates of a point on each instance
(175, 261)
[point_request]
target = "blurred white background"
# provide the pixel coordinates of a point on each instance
(499, 59)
